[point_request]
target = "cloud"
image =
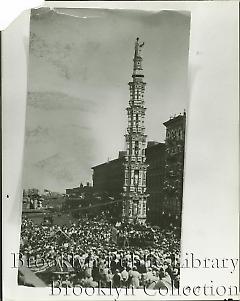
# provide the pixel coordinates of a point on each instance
(57, 166)
(59, 101)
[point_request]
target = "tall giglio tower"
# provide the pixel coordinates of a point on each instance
(135, 197)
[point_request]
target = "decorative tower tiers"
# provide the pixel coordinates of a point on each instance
(135, 197)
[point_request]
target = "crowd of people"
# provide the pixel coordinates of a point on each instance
(90, 251)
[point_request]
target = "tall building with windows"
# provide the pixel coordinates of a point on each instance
(174, 166)
(134, 189)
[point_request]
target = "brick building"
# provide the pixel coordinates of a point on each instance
(174, 167)
(109, 177)
(80, 191)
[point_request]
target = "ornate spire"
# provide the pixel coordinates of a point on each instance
(135, 197)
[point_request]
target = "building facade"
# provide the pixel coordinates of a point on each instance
(174, 167)
(134, 189)
(80, 191)
(109, 177)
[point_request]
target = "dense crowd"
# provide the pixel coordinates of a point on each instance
(93, 250)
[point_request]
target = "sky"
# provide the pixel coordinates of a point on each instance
(80, 63)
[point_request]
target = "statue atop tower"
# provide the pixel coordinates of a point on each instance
(135, 197)
(138, 47)
(137, 61)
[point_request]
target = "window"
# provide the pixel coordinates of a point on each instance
(144, 208)
(137, 120)
(136, 147)
(136, 177)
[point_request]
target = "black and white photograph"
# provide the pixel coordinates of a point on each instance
(103, 169)
(120, 150)
(120, 131)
